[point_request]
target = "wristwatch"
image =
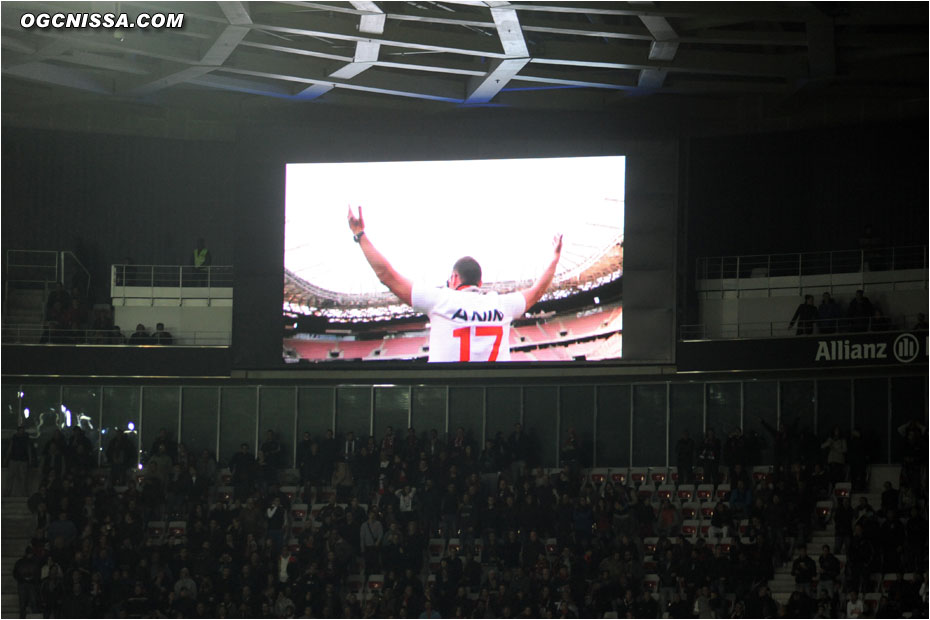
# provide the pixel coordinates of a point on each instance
(358, 236)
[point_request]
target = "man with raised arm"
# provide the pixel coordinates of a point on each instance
(466, 324)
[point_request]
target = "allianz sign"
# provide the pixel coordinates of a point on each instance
(905, 349)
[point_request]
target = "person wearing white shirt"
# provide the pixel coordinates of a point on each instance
(854, 606)
(466, 323)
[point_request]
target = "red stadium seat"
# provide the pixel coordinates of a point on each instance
(761, 473)
(666, 491)
(685, 492)
(598, 476)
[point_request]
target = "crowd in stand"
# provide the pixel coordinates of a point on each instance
(423, 526)
(69, 321)
(861, 315)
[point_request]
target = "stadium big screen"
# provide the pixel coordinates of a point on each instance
(425, 215)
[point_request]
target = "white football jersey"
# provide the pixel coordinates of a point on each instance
(468, 325)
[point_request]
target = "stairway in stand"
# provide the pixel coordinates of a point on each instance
(18, 526)
(782, 586)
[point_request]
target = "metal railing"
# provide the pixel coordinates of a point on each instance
(812, 263)
(48, 334)
(780, 329)
(176, 282)
(171, 276)
(30, 269)
(42, 270)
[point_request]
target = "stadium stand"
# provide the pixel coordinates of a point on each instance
(357, 349)
(262, 548)
(541, 340)
(404, 347)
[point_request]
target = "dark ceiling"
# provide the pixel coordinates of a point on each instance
(715, 66)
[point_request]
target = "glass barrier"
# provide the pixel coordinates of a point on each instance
(637, 425)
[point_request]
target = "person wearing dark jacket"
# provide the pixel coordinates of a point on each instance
(20, 456)
(860, 312)
(828, 315)
(805, 316)
(26, 573)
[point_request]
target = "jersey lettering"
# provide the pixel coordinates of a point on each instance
(468, 325)
(487, 316)
(464, 336)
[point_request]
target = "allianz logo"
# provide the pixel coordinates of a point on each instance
(905, 349)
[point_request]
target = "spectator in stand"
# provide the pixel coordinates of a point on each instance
(121, 456)
(140, 336)
(101, 325)
(519, 448)
(828, 315)
(854, 606)
(829, 572)
(27, 572)
(669, 520)
(805, 316)
(59, 296)
(892, 537)
(19, 458)
(201, 260)
(161, 335)
(741, 500)
(836, 448)
(274, 451)
(235, 570)
(709, 456)
(890, 497)
(371, 534)
(570, 451)
(74, 320)
(243, 468)
(860, 312)
(115, 336)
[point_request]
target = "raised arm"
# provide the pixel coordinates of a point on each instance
(536, 291)
(398, 284)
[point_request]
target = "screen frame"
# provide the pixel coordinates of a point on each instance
(650, 226)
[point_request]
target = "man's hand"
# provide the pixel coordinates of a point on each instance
(356, 224)
(396, 283)
(535, 292)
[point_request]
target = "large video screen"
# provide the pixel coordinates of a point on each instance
(420, 218)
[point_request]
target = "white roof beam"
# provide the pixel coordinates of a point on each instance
(236, 12)
(664, 47)
(224, 45)
(482, 90)
(366, 51)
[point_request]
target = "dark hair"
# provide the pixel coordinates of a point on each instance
(469, 270)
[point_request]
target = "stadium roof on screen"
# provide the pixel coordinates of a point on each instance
(425, 215)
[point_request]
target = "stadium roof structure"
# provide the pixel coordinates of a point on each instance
(231, 60)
